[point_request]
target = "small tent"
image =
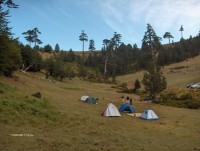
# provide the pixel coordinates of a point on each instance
(83, 98)
(91, 100)
(126, 107)
(149, 115)
(111, 110)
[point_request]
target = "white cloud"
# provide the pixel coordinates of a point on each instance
(130, 16)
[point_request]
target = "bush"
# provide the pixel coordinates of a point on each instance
(180, 98)
(185, 96)
(194, 104)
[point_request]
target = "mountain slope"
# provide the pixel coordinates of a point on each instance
(177, 74)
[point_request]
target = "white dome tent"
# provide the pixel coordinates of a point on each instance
(111, 110)
(149, 115)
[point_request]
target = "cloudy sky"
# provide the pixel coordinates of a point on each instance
(61, 21)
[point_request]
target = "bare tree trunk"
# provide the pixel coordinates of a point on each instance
(83, 52)
(105, 68)
(24, 69)
(35, 45)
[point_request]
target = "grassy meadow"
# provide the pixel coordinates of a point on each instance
(58, 121)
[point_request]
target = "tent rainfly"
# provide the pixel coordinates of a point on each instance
(126, 107)
(111, 110)
(149, 115)
(91, 100)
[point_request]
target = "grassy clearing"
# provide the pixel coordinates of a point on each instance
(77, 126)
(19, 109)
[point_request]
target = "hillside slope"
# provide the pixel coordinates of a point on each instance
(177, 74)
(80, 126)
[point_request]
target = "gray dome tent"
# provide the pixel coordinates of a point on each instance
(91, 100)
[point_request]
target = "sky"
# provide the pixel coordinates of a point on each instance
(61, 21)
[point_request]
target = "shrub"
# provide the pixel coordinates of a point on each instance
(180, 98)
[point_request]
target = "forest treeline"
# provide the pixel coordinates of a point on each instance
(115, 58)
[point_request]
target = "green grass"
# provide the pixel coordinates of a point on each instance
(18, 109)
(59, 121)
(72, 88)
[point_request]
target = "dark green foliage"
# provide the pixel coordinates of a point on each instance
(137, 85)
(83, 37)
(181, 30)
(150, 38)
(4, 29)
(32, 36)
(48, 48)
(92, 60)
(116, 40)
(150, 45)
(82, 71)
(168, 35)
(70, 72)
(31, 60)
(153, 80)
(57, 48)
(179, 51)
(59, 69)
(56, 68)
(145, 57)
(106, 43)
(49, 65)
(180, 99)
(8, 3)
(68, 56)
(125, 58)
(10, 57)
(91, 45)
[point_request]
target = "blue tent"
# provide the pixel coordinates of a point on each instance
(126, 107)
(149, 115)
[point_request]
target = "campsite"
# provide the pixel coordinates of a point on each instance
(123, 76)
(81, 126)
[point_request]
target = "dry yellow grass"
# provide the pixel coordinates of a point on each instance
(83, 128)
(189, 72)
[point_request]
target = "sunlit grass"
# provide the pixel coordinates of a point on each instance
(59, 121)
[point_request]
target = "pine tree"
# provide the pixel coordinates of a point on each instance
(48, 48)
(83, 37)
(150, 45)
(57, 48)
(181, 30)
(137, 85)
(106, 43)
(10, 57)
(154, 81)
(31, 60)
(91, 45)
(4, 29)
(168, 35)
(32, 36)
(116, 40)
